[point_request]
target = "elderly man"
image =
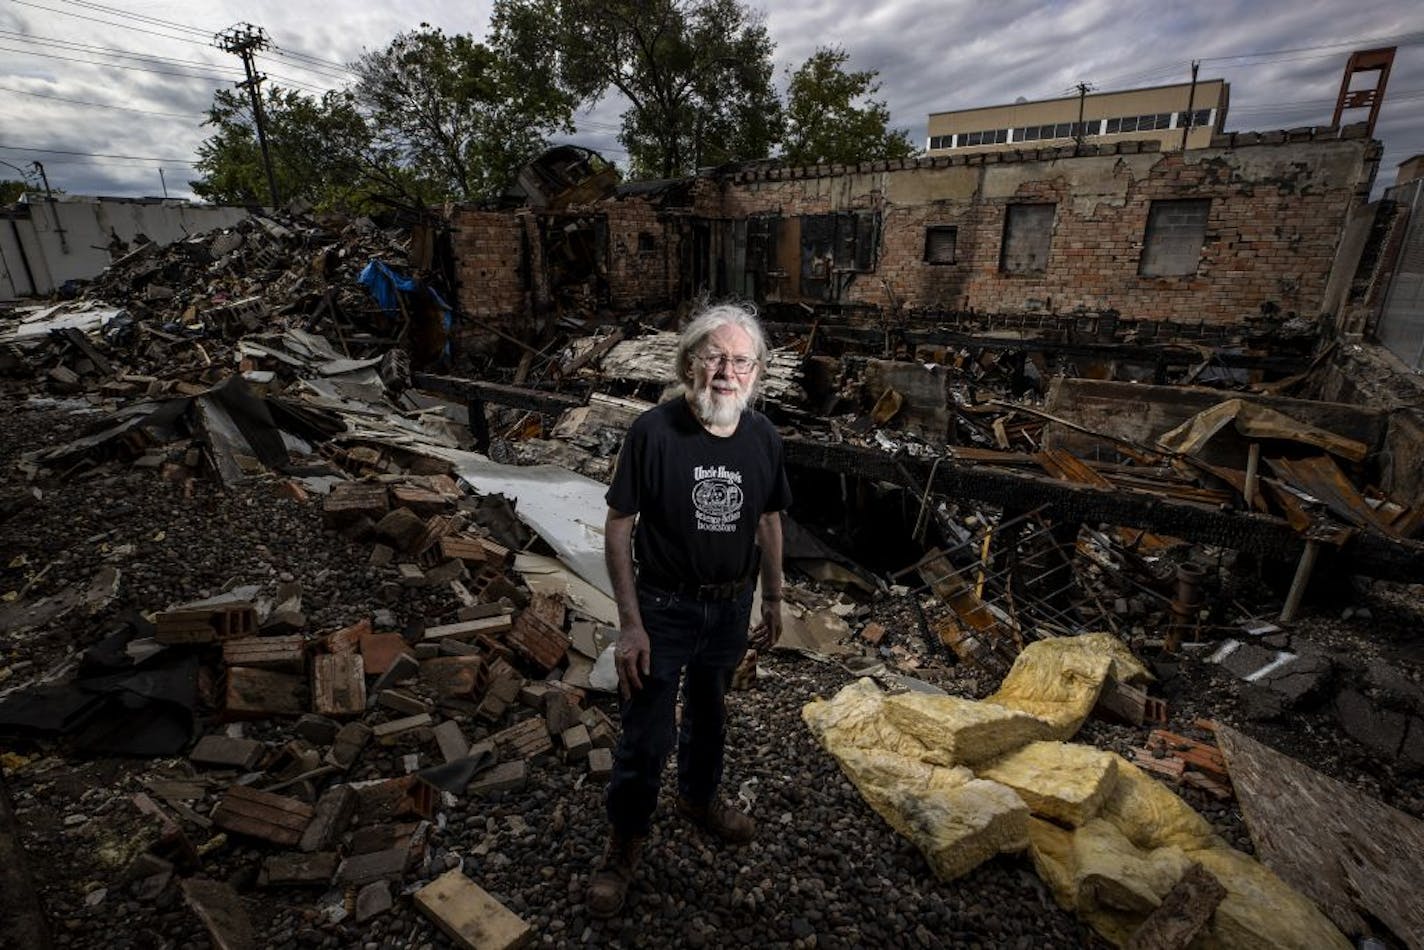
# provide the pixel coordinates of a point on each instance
(701, 478)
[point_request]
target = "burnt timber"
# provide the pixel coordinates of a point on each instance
(1267, 537)
(1262, 535)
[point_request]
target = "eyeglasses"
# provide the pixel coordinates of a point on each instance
(741, 365)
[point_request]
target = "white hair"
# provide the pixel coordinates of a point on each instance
(707, 322)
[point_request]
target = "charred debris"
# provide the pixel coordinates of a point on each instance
(966, 484)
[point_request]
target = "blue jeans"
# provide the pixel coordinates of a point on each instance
(701, 643)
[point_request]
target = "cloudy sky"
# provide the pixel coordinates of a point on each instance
(110, 95)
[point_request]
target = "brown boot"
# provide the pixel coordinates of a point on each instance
(720, 819)
(609, 887)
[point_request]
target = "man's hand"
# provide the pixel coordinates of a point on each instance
(633, 657)
(768, 632)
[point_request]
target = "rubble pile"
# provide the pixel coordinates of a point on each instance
(287, 662)
(165, 320)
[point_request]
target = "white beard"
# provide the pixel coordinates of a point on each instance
(719, 411)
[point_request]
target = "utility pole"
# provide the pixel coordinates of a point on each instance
(244, 39)
(163, 181)
(1191, 103)
(1082, 88)
(49, 198)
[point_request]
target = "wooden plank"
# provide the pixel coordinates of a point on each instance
(1070, 468)
(469, 916)
(1170, 766)
(469, 629)
(339, 685)
(220, 909)
(1185, 910)
(1354, 856)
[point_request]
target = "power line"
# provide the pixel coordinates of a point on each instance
(290, 81)
(60, 151)
(170, 24)
(107, 50)
(90, 62)
(1399, 39)
(122, 26)
(105, 105)
(1281, 55)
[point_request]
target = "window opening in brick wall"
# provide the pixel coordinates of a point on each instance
(1173, 242)
(647, 244)
(1028, 232)
(939, 243)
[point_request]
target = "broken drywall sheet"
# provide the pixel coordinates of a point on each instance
(566, 509)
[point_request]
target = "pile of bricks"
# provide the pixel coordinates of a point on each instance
(464, 708)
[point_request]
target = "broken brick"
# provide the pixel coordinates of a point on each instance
(339, 685)
(524, 740)
(505, 777)
(256, 694)
(227, 751)
(351, 501)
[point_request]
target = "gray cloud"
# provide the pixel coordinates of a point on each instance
(931, 56)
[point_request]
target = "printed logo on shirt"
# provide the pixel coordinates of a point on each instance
(716, 498)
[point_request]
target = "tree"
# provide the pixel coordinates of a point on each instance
(696, 73)
(320, 149)
(11, 191)
(459, 117)
(825, 124)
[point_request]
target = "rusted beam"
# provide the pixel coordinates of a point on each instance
(519, 397)
(1262, 535)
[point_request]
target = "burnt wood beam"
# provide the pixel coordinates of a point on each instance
(518, 397)
(1166, 354)
(1264, 536)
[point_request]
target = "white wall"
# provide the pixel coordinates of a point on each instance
(68, 239)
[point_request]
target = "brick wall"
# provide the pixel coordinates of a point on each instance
(1277, 204)
(644, 248)
(489, 255)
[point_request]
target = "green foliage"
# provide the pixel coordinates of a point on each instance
(11, 192)
(696, 73)
(320, 150)
(458, 117)
(825, 124)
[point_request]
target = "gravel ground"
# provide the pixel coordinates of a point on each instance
(825, 871)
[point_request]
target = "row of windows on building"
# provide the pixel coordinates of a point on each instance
(1171, 243)
(1068, 130)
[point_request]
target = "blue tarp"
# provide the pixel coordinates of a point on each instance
(383, 284)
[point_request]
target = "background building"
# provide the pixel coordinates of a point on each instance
(1158, 114)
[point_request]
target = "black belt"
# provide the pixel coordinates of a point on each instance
(728, 590)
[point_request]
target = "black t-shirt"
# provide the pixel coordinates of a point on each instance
(698, 496)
